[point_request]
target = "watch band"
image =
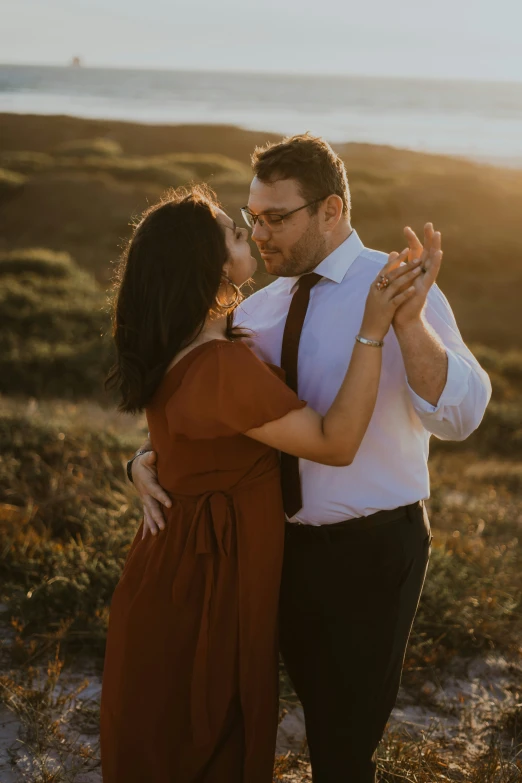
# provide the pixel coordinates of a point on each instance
(129, 463)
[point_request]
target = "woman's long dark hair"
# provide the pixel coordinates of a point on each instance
(166, 284)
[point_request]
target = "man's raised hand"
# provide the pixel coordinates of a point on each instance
(153, 496)
(430, 255)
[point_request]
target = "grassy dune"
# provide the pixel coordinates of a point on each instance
(54, 326)
(72, 185)
(68, 191)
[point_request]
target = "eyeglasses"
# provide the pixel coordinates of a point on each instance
(271, 220)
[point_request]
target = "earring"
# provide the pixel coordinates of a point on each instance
(237, 294)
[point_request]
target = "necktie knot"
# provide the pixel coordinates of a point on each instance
(308, 281)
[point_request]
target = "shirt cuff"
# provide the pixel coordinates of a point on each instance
(454, 391)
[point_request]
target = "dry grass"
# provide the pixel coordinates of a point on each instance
(67, 517)
(403, 758)
(50, 746)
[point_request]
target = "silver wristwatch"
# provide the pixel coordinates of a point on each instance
(129, 463)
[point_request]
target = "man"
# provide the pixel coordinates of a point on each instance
(358, 538)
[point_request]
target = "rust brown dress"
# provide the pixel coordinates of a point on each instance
(190, 680)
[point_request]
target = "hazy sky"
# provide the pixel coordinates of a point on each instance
(449, 38)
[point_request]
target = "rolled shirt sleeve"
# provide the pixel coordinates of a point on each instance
(467, 392)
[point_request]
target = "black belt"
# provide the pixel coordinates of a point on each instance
(358, 523)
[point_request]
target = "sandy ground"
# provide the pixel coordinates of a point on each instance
(460, 709)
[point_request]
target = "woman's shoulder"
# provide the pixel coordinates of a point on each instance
(224, 390)
(208, 360)
(225, 350)
(236, 349)
(203, 353)
(225, 358)
(223, 363)
(240, 353)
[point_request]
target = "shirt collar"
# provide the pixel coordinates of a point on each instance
(335, 266)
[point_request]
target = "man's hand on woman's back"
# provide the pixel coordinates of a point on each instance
(153, 496)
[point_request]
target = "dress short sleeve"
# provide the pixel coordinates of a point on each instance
(226, 391)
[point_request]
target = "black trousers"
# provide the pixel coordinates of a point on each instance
(348, 599)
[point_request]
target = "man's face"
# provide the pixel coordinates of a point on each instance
(298, 245)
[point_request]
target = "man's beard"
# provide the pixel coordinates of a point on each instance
(304, 256)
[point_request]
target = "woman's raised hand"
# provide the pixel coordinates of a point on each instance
(392, 287)
(430, 256)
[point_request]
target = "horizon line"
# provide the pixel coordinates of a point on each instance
(253, 72)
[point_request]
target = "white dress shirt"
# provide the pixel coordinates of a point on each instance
(390, 468)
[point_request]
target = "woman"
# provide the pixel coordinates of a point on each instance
(190, 681)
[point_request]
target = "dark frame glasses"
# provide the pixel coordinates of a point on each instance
(271, 219)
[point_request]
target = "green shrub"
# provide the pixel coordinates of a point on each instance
(165, 170)
(500, 431)
(67, 517)
(39, 261)
(10, 182)
(508, 363)
(26, 162)
(102, 156)
(131, 169)
(54, 327)
(87, 147)
(218, 169)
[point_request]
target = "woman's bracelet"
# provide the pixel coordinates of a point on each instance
(372, 343)
(129, 463)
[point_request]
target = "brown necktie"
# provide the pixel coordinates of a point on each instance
(289, 355)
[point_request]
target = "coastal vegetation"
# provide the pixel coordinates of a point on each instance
(67, 517)
(69, 190)
(54, 326)
(84, 180)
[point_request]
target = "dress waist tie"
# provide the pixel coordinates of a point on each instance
(210, 535)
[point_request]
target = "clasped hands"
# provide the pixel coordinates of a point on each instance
(430, 254)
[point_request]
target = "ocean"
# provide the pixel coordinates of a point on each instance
(482, 121)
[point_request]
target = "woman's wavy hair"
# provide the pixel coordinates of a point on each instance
(166, 285)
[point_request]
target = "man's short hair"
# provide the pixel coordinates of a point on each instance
(308, 159)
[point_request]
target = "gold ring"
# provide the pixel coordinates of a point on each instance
(382, 283)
